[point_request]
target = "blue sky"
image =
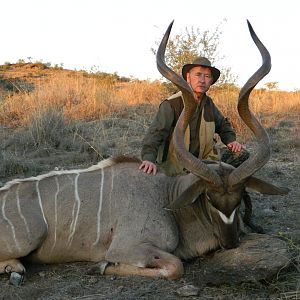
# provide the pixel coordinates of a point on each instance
(117, 35)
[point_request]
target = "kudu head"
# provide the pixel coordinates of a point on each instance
(221, 186)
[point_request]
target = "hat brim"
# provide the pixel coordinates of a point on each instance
(214, 71)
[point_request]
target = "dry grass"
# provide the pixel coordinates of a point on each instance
(82, 97)
(268, 106)
(76, 117)
(137, 92)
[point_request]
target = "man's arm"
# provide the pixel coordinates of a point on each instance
(156, 135)
(226, 132)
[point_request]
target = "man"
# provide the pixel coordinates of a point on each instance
(207, 120)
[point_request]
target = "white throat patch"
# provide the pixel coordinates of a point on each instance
(225, 219)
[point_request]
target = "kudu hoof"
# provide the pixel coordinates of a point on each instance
(16, 279)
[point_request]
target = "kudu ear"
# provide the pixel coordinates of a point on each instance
(264, 187)
(188, 196)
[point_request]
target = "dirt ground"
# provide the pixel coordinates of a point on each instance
(277, 215)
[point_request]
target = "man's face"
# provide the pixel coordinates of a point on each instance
(199, 79)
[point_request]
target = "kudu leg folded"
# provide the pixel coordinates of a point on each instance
(11, 265)
(145, 260)
(165, 268)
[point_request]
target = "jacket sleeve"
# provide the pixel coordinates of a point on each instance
(224, 127)
(158, 132)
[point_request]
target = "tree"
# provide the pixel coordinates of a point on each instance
(185, 47)
(272, 85)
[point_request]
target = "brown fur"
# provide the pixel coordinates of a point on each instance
(124, 158)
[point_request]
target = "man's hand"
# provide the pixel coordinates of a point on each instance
(148, 167)
(235, 147)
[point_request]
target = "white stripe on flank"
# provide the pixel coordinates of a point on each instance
(55, 212)
(40, 202)
(10, 224)
(74, 216)
(99, 208)
(20, 213)
(112, 174)
(101, 165)
(225, 219)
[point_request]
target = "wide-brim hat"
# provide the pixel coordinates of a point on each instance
(203, 62)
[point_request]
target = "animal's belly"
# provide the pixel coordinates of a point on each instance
(62, 250)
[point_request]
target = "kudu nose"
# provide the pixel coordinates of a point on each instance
(229, 243)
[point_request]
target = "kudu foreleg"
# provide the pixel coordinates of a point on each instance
(145, 260)
(167, 270)
(163, 268)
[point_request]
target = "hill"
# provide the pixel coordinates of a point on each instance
(22, 77)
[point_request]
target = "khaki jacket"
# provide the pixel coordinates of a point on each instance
(157, 143)
(172, 166)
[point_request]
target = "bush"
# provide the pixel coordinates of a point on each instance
(47, 128)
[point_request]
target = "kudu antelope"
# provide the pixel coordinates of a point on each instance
(114, 214)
